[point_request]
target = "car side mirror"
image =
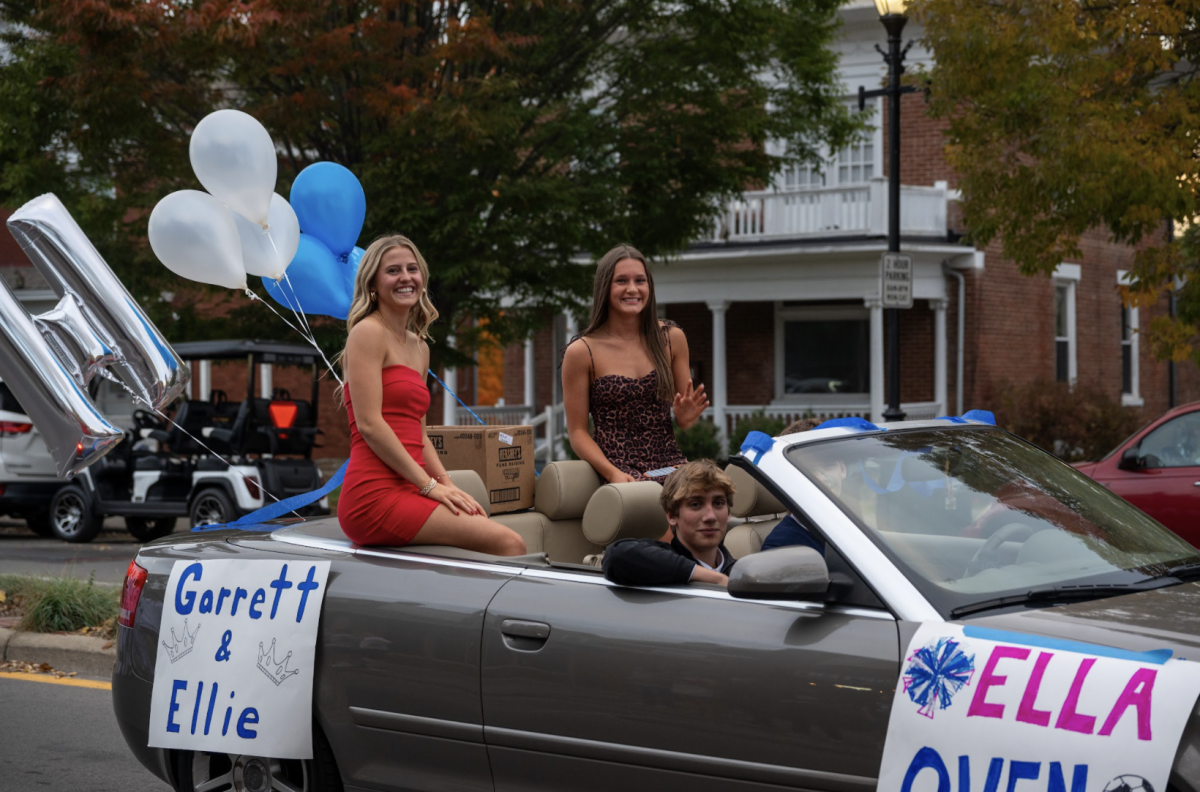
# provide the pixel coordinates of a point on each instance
(784, 573)
(1130, 459)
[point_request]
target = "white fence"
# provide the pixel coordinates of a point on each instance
(914, 411)
(831, 211)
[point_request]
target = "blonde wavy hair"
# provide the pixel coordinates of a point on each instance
(361, 305)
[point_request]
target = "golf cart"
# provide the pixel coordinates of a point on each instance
(213, 464)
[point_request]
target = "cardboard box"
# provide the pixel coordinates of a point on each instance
(501, 455)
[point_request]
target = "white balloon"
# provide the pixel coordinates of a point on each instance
(234, 158)
(196, 238)
(266, 252)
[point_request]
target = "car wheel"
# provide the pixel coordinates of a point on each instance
(145, 530)
(218, 772)
(39, 523)
(212, 507)
(71, 517)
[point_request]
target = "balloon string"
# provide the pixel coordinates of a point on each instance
(307, 336)
(139, 400)
(267, 234)
(301, 317)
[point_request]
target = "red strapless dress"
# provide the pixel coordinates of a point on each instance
(377, 505)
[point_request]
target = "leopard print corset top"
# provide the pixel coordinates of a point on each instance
(633, 427)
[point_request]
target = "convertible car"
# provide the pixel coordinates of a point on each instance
(440, 669)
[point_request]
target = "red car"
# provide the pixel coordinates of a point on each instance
(1158, 470)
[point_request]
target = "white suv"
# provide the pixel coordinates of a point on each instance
(28, 476)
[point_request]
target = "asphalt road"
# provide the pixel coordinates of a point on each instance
(72, 743)
(108, 556)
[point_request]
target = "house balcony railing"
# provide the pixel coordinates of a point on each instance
(857, 210)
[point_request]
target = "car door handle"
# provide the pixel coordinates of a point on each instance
(517, 628)
(524, 636)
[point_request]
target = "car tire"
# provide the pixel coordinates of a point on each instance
(71, 517)
(212, 506)
(39, 523)
(200, 770)
(146, 529)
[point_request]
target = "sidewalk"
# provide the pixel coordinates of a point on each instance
(83, 654)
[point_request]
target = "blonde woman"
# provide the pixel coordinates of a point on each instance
(396, 491)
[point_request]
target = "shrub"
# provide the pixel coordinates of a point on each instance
(1074, 424)
(755, 422)
(67, 605)
(700, 441)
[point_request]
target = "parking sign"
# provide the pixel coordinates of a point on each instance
(896, 280)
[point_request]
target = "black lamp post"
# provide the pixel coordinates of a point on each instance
(891, 14)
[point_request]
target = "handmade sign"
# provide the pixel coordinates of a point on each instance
(982, 710)
(236, 650)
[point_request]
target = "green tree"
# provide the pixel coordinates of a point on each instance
(1070, 116)
(507, 137)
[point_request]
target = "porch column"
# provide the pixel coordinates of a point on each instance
(939, 354)
(450, 377)
(531, 395)
(266, 380)
(876, 341)
(719, 390)
(205, 378)
(572, 326)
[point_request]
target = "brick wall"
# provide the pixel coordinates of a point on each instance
(922, 143)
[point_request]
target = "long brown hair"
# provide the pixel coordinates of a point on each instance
(423, 313)
(652, 334)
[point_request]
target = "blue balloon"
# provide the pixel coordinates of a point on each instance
(315, 282)
(330, 205)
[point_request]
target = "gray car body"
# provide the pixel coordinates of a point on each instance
(440, 669)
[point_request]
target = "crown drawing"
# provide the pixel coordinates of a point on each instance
(275, 671)
(180, 647)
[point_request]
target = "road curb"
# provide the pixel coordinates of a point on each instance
(83, 654)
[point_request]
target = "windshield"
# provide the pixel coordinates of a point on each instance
(972, 514)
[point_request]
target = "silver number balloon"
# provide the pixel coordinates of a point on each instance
(48, 360)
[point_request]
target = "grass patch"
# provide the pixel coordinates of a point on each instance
(60, 604)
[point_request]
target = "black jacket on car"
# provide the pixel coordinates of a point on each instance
(649, 562)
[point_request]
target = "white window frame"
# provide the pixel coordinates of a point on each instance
(1068, 275)
(1134, 397)
(794, 313)
(829, 158)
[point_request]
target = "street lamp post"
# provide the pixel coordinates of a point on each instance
(892, 15)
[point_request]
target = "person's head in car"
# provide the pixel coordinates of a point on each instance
(697, 498)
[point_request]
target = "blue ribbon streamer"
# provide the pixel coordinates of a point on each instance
(254, 521)
(455, 395)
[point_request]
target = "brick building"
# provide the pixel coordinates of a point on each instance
(781, 302)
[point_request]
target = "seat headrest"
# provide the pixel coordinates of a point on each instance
(751, 498)
(624, 511)
(469, 482)
(564, 489)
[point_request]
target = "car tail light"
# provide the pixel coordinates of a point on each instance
(253, 487)
(12, 427)
(131, 593)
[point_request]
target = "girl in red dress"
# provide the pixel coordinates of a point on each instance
(396, 491)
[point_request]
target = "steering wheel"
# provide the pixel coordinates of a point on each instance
(985, 557)
(143, 419)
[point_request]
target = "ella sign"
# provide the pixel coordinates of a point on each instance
(236, 649)
(896, 280)
(982, 710)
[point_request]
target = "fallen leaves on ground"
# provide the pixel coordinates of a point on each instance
(20, 667)
(106, 630)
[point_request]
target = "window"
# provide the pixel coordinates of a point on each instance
(1174, 444)
(855, 164)
(1130, 386)
(822, 353)
(1065, 278)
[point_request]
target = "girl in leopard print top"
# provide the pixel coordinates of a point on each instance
(629, 371)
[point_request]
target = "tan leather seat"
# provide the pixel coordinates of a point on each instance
(624, 511)
(761, 510)
(555, 526)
